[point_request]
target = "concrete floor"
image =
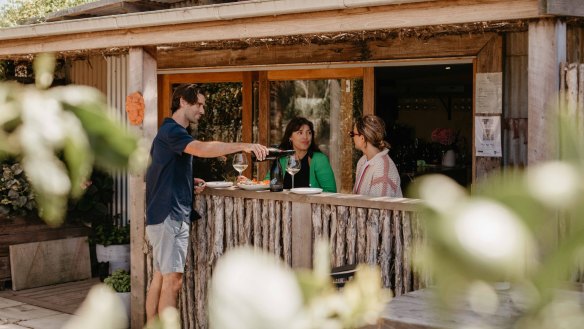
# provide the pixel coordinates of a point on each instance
(18, 315)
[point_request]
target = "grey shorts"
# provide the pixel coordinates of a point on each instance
(169, 241)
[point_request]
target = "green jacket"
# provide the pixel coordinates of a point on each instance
(321, 174)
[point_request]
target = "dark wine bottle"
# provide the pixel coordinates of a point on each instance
(276, 177)
(274, 154)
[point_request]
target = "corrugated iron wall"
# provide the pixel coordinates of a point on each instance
(514, 121)
(110, 76)
(117, 90)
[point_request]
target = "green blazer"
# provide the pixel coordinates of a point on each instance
(321, 174)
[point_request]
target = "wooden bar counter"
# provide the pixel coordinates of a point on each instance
(379, 231)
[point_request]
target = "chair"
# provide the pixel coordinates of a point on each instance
(342, 274)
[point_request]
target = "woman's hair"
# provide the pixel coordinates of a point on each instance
(294, 125)
(189, 92)
(372, 128)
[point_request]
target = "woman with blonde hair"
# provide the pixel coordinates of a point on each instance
(376, 173)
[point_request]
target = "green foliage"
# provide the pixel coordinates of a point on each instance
(108, 234)
(118, 281)
(222, 122)
(16, 195)
(19, 12)
(59, 135)
(524, 227)
(93, 205)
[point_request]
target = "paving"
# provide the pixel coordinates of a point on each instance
(18, 315)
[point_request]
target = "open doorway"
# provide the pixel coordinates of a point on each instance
(428, 111)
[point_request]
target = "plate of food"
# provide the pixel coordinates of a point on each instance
(219, 184)
(306, 190)
(254, 185)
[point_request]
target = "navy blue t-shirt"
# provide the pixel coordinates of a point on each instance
(169, 179)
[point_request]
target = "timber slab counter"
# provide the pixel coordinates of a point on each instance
(375, 230)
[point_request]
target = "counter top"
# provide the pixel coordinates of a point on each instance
(341, 199)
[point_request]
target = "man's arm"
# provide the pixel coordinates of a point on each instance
(214, 149)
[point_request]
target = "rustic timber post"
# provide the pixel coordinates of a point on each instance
(141, 78)
(301, 235)
(263, 118)
(489, 60)
(246, 114)
(368, 90)
(547, 49)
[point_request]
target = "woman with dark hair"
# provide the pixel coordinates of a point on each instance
(376, 173)
(315, 168)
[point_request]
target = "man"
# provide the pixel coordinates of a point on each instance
(169, 193)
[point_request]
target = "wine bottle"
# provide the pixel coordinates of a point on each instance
(276, 177)
(274, 154)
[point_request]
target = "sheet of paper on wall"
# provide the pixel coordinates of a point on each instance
(488, 136)
(489, 93)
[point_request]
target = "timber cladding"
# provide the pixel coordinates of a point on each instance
(14, 231)
(287, 227)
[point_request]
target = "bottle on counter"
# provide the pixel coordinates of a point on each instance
(274, 153)
(276, 177)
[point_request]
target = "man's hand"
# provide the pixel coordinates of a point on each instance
(199, 185)
(259, 150)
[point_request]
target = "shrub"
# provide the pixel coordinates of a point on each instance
(118, 281)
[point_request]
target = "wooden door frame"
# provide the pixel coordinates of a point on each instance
(165, 82)
(488, 58)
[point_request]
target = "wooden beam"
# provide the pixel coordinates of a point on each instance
(214, 77)
(142, 78)
(489, 60)
(301, 235)
(164, 98)
(368, 91)
(247, 114)
(392, 49)
(315, 74)
(381, 17)
(547, 49)
(263, 118)
(565, 7)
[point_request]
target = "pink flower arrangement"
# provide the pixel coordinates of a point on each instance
(444, 136)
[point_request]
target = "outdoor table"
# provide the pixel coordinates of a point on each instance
(420, 310)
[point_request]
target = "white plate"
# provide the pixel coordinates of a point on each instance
(219, 184)
(254, 187)
(306, 190)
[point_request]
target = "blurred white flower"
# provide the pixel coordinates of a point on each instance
(43, 125)
(440, 192)
(493, 234)
(556, 184)
(251, 289)
(101, 309)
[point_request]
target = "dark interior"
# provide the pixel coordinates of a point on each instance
(416, 100)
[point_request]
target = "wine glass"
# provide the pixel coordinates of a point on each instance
(293, 166)
(239, 163)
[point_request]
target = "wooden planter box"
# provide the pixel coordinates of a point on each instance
(24, 230)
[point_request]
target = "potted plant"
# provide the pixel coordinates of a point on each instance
(119, 281)
(112, 245)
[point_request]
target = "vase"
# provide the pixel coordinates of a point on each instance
(449, 159)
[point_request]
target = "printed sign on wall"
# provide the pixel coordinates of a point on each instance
(489, 93)
(488, 136)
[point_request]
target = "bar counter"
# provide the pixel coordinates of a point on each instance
(375, 230)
